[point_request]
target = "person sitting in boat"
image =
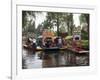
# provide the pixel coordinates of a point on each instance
(34, 44)
(28, 42)
(48, 42)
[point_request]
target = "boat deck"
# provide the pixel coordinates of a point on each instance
(75, 50)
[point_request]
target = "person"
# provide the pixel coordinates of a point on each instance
(60, 42)
(34, 45)
(28, 42)
(56, 41)
(47, 44)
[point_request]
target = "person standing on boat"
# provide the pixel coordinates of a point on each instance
(34, 45)
(60, 42)
(56, 42)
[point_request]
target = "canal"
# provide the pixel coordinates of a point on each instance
(47, 59)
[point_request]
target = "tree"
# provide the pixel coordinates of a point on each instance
(84, 18)
(47, 24)
(39, 29)
(27, 20)
(68, 18)
(56, 19)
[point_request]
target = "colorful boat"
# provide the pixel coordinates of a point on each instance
(74, 50)
(44, 48)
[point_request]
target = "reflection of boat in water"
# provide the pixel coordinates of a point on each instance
(54, 48)
(74, 50)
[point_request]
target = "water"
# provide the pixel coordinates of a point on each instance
(49, 59)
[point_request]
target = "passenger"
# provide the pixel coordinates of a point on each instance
(28, 42)
(60, 42)
(56, 41)
(63, 42)
(34, 45)
(47, 44)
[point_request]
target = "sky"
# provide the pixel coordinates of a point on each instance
(40, 18)
(76, 19)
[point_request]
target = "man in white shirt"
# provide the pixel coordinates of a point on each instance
(60, 42)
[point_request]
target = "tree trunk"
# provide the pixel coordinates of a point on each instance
(57, 25)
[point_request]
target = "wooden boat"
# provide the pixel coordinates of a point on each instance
(74, 50)
(30, 48)
(78, 50)
(44, 48)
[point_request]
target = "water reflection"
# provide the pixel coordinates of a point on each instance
(53, 59)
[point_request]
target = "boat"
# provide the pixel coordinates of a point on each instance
(30, 48)
(78, 50)
(51, 49)
(44, 48)
(74, 50)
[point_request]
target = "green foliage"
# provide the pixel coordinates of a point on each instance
(56, 19)
(85, 44)
(28, 25)
(25, 16)
(84, 18)
(84, 35)
(69, 21)
(47, 24)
